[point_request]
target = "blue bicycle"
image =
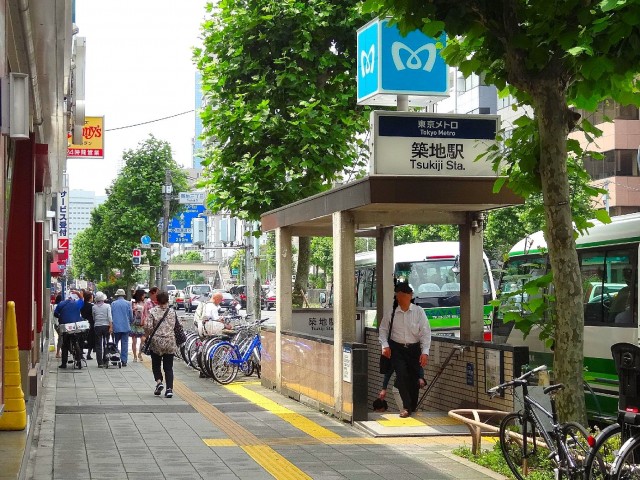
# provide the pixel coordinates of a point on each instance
(243, 354)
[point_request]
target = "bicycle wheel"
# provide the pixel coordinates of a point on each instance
(601, 456)
(223, 370)
(512, 439)
(76, 351)
(247, 368)
(574, 436)
(627, 464)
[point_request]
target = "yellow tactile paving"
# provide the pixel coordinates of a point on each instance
(301, 422)
(219, 442)
(264, 455)
(274, 463)
(401, 422)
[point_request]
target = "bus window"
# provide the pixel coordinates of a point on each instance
(606, 277)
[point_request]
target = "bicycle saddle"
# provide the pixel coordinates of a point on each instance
(552, 388)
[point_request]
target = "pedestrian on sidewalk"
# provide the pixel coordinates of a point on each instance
(162, 319)
(58, 331)
(122, 317)
(137, 327)
(102, 325)
(68, 311)
(87, 313)
(408, 345)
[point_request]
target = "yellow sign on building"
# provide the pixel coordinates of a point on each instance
(92, 140)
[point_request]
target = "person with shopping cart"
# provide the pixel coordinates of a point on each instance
(405, 336)
(68, 311)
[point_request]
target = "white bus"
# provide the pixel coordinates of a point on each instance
(432, 270)
(608, 256)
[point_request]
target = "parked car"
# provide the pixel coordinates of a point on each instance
(270, 300)
(176, 299)
(229, 302)
(194, 294)
(240, 292)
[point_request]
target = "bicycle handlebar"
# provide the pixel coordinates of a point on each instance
(521, 380)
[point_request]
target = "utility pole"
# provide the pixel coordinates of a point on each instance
(246, 240)
(167, 190)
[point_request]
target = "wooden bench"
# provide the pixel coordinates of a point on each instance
(477, 423)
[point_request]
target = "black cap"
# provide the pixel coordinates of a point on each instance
(403, 287)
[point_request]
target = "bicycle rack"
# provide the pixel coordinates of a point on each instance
(457, 350)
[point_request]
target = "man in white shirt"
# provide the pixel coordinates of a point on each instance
(408, 345)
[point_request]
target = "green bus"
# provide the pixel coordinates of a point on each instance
(432, 269)
(608, 255)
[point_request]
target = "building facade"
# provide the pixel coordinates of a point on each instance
(39, 40)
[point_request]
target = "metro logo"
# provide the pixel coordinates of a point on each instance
(413, 62)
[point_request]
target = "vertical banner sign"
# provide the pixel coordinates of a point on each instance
(92, 140)
(63, 229)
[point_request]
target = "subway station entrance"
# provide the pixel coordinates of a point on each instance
(339, 374)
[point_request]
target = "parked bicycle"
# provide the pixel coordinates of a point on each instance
(526, 444)
(243, 354)
(616, 452)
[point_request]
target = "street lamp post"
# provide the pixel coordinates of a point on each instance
(167, 190)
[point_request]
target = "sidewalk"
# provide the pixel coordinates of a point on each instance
(107, 424)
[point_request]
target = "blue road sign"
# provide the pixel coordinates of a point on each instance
(145, 240)
(180, 225)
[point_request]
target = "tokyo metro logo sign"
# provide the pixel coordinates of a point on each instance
(413, 61)
(390, 64)
(368, 61)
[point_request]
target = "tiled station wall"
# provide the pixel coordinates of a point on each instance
(462, 383)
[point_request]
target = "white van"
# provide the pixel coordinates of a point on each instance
(194, 294)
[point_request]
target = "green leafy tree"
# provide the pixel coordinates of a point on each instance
(551, 56)
(132, 209)
(280, 121)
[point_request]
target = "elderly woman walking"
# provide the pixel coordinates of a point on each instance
(103, 325)
(161, 323)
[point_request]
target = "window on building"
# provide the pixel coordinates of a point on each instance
(615, 163)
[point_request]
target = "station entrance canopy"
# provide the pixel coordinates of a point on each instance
(369, 207)
(386, 201)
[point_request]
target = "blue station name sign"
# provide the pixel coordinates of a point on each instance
(415, 143)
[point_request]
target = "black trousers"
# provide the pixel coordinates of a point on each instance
(167, 366)
(102, 337)
(406, 363)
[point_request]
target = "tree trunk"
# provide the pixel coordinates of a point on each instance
(553, 120)
(302, 271)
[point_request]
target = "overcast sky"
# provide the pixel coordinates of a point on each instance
(139, 68)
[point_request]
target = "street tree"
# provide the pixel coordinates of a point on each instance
(133, 208)
(553, 57)
(280, 121)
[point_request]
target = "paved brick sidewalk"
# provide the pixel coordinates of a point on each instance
(107, 424)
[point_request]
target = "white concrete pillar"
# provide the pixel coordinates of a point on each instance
(344, 302)
(471, 271)
(283, 295)
(384, 272)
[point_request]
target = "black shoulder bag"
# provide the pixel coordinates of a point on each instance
(146, 348)
(385, 362)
